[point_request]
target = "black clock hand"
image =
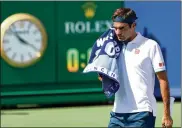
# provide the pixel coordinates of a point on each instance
(33, 47)
(20, 39)
(24, 42)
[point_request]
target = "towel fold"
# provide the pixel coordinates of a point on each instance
(103, 60)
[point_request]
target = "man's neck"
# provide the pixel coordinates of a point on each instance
(133, 36)
(130, 39)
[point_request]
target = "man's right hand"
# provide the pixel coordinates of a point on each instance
(167, 122)
(100, 78)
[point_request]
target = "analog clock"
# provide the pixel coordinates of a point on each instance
(23, 40)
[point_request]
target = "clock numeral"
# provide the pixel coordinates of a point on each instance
(21, 24)
(38, 40)
(7, 50)
(30, 55)
(14, 55)
(35, 32)
(22, 58)
(9, 32)
(29, 25)
(13, 27)
(5, 41)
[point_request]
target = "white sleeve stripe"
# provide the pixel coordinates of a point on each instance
(160, 69)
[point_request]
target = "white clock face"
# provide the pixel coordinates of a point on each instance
(22, 41)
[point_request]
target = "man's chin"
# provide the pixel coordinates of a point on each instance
(121, 39)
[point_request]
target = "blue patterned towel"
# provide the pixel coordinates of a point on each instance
(103, 60)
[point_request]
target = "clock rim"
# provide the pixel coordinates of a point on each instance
(5, 26)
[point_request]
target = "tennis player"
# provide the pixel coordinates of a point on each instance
(140, 59)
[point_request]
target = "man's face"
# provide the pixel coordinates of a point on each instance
(123, 31)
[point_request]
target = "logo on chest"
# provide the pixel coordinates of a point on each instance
(161, 64)
(137, 51)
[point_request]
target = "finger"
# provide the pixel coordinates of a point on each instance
(163, 125)
(168, 126)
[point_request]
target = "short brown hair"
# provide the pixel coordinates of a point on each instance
(124, 13)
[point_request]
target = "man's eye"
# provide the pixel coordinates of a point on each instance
(118, 28)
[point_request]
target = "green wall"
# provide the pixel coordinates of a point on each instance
(57, 77)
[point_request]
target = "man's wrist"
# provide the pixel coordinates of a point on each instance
(166, 114)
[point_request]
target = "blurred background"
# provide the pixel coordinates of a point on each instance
(46, 87)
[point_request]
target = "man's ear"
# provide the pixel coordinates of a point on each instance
(133, 25)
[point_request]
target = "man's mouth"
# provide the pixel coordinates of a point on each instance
(121, 38)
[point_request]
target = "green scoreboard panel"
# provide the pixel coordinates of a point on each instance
(79, 25)
(72, 27)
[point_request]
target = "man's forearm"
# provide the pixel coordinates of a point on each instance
(165, 92)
